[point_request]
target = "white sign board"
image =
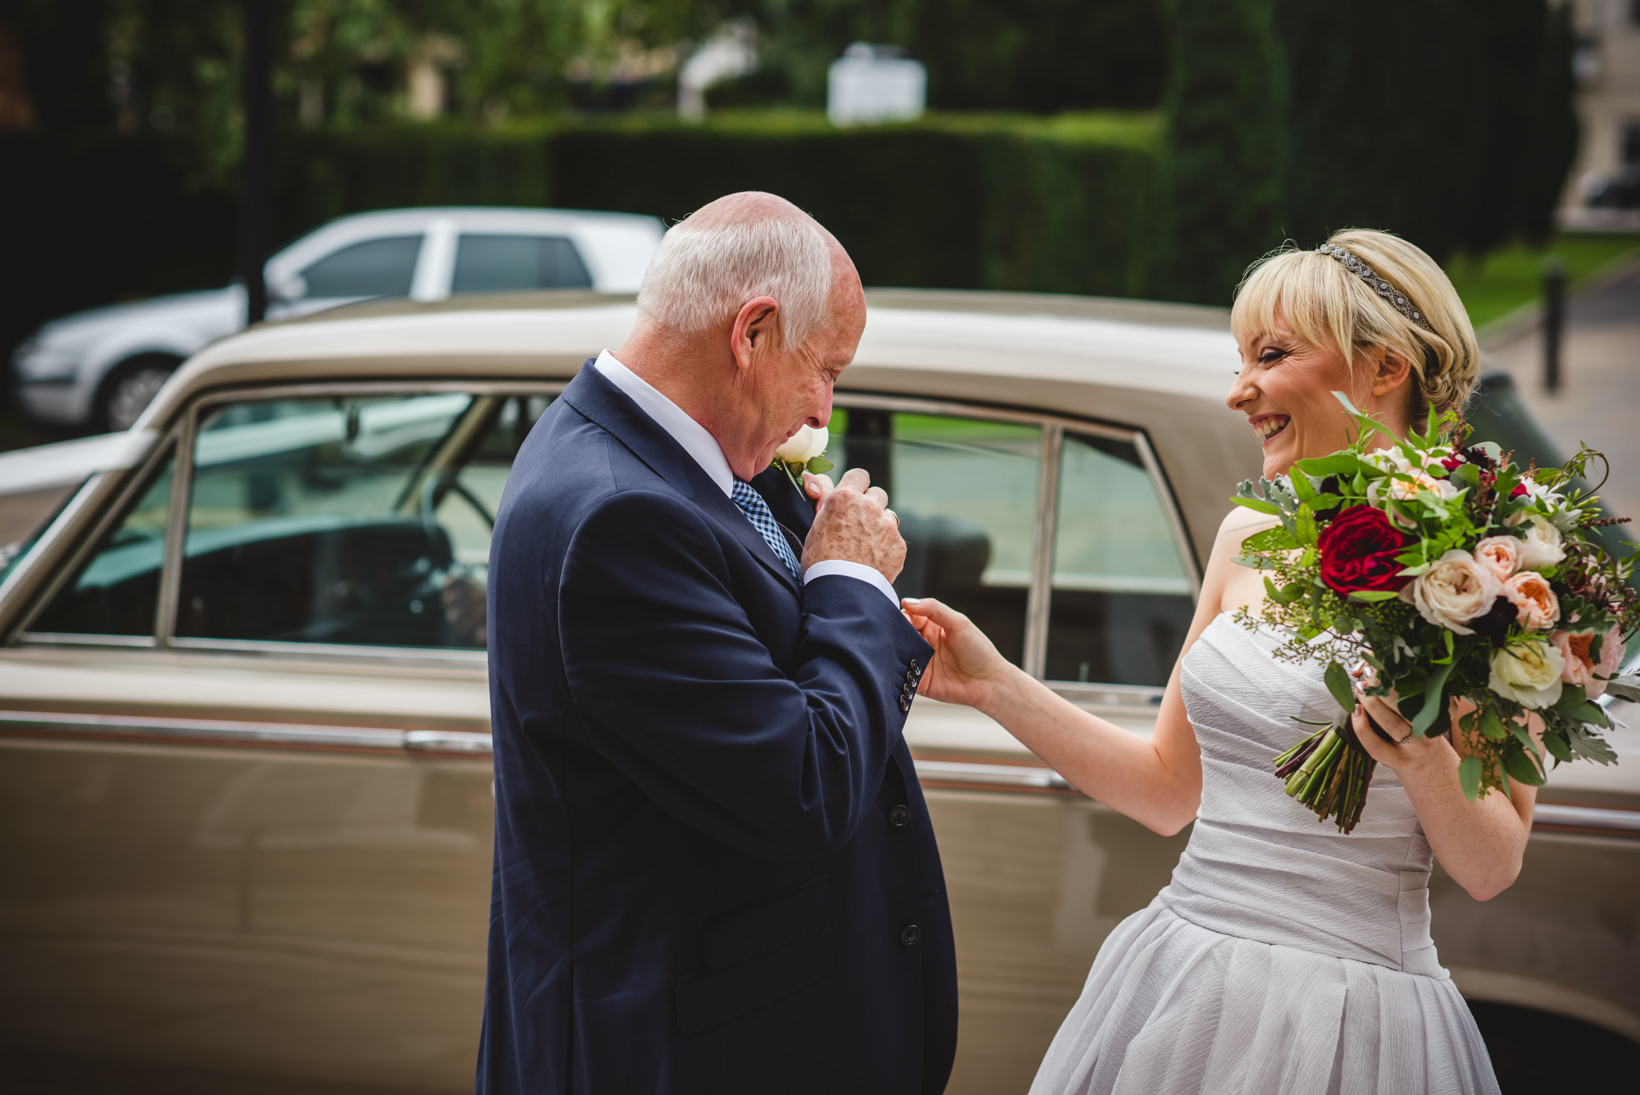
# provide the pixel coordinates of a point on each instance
(870, 84)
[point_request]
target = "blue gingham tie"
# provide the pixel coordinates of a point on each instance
(758, 513)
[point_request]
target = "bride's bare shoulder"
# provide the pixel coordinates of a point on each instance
(1238, 525)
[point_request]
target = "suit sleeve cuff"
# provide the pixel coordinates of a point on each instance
(869, 575)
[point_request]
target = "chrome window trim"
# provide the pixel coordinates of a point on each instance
(48, 538)
(176, 527)
(1038, 598)
(453, 656)
(76, 555)
(69, 638)
(1586, 817)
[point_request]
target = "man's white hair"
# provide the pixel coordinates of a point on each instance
(700, 277)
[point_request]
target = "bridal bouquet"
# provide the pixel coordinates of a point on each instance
(1436, 571)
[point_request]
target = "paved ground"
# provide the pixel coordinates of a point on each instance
(1599, 397)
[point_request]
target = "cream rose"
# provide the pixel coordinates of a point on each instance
(1541, 546)
(1536, 606)
(1455, 590)
(804, 445)
(1499, 554)
(1528, 672)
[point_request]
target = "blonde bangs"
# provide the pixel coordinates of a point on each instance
(1310, 291)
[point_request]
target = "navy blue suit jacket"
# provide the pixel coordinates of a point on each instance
(714, 870)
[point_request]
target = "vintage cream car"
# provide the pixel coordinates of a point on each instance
(245, 785)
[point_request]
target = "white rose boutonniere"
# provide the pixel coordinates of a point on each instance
(804, 451)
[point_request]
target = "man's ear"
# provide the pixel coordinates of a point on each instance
(756, 329)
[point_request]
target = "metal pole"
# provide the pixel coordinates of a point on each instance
(1554, 320)
(256, 89)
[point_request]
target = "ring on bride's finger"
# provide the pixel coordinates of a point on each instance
(894, 515)
(1403, 741)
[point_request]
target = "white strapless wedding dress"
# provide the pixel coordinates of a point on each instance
(1283, 957)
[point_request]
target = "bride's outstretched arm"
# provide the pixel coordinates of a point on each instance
(1157, 781)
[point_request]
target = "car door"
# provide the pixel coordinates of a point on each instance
(245, 754)
(1060, 538)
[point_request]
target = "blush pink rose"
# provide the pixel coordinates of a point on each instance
(1536, 606)
(1500, 555)
(1581, 669)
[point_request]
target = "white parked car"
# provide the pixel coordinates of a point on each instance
(100, 368)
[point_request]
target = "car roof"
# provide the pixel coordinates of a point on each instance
(1162, 368)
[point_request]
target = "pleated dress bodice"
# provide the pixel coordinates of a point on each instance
(1259, 864)
(1284, 957)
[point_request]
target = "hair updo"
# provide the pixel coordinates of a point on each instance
(1325, 303)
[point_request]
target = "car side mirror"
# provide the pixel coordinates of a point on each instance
(293, 288)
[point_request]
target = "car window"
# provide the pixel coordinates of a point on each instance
(493, 264)
(1122, 596)
(374, 268)
(360, 521)
(965, 490)
(114, 591)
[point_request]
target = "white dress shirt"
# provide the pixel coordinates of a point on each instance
(699, 443)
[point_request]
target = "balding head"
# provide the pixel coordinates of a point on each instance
(738, 248)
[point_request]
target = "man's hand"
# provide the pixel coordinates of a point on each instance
(852, 521)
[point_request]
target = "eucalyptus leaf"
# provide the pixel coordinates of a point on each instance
(1469, 776)
(1258, 504)
(1521, 765)
(819, 465)
(1556, 744)
(1371, 596)
(1338, 683)
(1434, 700)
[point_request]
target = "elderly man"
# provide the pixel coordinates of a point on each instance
(714, 871)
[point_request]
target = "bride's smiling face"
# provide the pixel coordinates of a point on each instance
(1285, 388)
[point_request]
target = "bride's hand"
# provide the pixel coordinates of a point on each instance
(966, 667)
(1405, 750)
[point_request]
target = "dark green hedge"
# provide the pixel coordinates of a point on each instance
(978, 202)
(997, 205)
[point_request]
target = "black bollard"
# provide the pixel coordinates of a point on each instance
(1554, 320)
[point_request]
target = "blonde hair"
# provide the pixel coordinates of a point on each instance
(1325, 303)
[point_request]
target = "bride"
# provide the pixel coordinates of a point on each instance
(1283, 956)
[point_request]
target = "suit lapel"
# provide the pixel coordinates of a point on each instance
(601, 402)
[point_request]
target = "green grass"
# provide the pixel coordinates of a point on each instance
(1135, 129)
(1497, 284)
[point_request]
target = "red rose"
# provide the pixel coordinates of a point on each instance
(1358, 552)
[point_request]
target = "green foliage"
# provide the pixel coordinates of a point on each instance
(1450, 123)
(992, 203)
(1226, 142)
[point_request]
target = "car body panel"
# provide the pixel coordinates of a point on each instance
(271, 860)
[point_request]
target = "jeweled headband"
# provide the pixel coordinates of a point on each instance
(1396, 298)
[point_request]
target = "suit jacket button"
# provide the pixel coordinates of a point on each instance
(910, 935)
(900, 816)
(916, 666)
(905, 705)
